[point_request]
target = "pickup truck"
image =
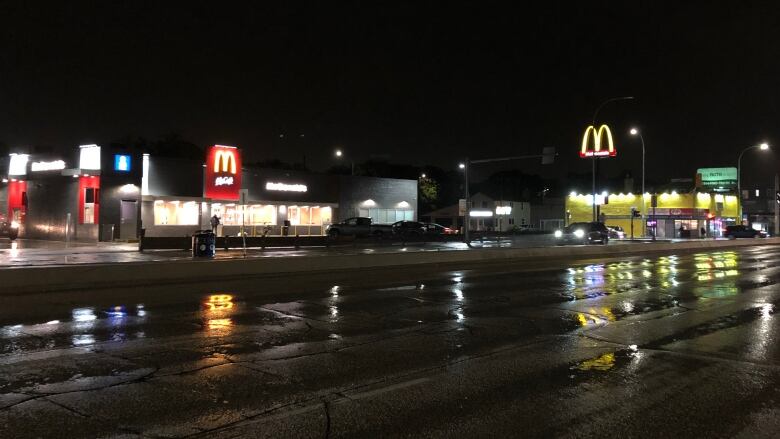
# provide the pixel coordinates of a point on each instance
(359, 226)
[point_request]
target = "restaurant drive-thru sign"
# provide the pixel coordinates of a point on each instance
(602, 144)
(223, 173)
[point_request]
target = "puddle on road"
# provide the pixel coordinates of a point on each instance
(606, 362)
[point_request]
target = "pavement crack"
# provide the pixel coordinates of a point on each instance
(326, 409)
(67, 408)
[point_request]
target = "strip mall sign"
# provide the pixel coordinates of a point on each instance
(223, 173)
(599, 136)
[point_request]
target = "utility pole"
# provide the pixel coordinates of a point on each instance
(777, 205)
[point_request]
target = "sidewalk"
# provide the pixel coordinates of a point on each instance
(31, 253)
(46, 277)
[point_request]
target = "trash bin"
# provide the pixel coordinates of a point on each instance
(203, 244)
(286, 228)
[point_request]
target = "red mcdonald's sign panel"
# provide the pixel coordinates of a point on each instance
(223, 173)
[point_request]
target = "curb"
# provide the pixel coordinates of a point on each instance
(15, 281)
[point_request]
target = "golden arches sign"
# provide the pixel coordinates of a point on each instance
(598, 136)
(225, 161)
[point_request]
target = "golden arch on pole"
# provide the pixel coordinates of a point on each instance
(225, 161)
(598, 137)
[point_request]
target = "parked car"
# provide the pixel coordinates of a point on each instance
(733, 232)
(408, 228)
(9, 229)
(438, 229)
(583, 233)
(359, 226)
(616, 232)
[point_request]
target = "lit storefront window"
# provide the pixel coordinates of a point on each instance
(268, 214)
(309, 215)
(387, 216)
(262, 215)
(176, 213)
(255, 215)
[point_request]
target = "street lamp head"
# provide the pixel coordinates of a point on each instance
(634, 131)
(764, 146)
(462, 166)
(338, 153)
(422, 176)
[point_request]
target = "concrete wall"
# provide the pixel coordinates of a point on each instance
(50, 199)
(175, 177)
(116, 186)
(386, 193)
(3, 199)
(320, 188)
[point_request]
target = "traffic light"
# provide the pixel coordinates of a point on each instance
(777, 197)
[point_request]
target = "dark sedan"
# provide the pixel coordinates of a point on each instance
(733, 232)
(583, 233)
(408, 228)
(438, 229)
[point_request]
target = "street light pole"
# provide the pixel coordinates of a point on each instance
(763, 147)
(465, 166)
(593, 123)
(635, 132)
(351, 162)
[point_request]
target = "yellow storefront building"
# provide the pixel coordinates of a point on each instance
(676, 214)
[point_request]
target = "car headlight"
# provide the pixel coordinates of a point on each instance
(579, 233)
(558, 233)
(14, 225)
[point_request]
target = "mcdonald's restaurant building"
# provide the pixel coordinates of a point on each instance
(104, 194)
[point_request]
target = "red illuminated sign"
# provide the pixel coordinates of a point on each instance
(223, 173)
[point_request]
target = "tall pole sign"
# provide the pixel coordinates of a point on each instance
(223, 173)
(602, 145)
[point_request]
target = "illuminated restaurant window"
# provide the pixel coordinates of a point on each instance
(261, 215)
(227, 213)
(176, 213)
(326, 215)
(309, 216)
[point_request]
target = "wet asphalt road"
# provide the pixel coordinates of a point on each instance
(658, 346)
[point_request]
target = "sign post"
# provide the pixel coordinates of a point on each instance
(243, 194)
(654, 204)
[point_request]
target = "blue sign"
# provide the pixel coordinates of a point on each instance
(121, 162)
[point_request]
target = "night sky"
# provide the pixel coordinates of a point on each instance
(411, 83)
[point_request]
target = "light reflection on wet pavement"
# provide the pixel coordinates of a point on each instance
(673, 345)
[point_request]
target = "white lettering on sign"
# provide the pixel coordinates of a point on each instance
(223, 181)
(285, 187)
(47, 166)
